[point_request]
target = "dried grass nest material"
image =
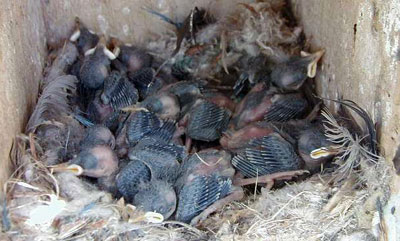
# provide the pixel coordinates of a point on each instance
(314, 209)
(339, 205)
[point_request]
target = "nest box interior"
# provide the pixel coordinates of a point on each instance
(361, 63)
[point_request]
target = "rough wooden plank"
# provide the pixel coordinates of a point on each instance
(22, 52)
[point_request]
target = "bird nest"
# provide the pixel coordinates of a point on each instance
(329, 205)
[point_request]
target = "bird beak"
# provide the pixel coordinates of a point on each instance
(90, 51)
(109, 54)
(75, 35)
(313, 58)
(116, 51)
(323, 152)
(153, 217)
(75, 169)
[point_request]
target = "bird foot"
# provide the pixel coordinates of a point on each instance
(270, 179)
(236, 195)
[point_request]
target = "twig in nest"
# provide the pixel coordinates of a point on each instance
(187, 226)
(382, 224)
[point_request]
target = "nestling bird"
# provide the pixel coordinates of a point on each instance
(118, 91)
(97, 135)
(98, 162)
(130, 177)
(100, 113)
(205, 121)
(156, 196)
(96, 65)
(265, 103)
(204, 185)
(291, 74)
(83, 37)
(147, 180)
(145, 81)
(133, 57)
(236, 139)
(267, 155)
(288, 74)
(163, 104)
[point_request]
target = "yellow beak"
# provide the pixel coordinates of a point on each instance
(75, 169)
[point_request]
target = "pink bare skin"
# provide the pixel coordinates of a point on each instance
(107, 162)
(253, 107)
(233, 140)
(102, 111)
(221, 166)
(222, 101)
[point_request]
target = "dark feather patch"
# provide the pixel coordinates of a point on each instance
(273, 154)
(140, 124)
(143, 80)
(199, 194)
(165, 133)
(289, 106)
(130, 177)
(207, 121)
(118, 91)
(161, 158)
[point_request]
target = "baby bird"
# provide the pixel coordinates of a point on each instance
(204, 185)
(291, 74)
(264, 103)
(147, 180)
(130, 177)
(103, 114)
(288, 74)
(97, 135)
(140, 124)
(117, 94)
(312, 144)
(133, 57)
(96, 65)
(83, 37)
(145, 82)
(156, 196)
(118, 91)
(96, 159)
(267, 155)
(163, 104)
(206, 121)
(237, 139)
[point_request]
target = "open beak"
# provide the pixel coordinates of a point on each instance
(323, 152)
(75, 35)
(64, 167)
(313, 58)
